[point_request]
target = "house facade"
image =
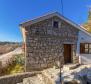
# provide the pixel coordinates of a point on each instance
(54, 39)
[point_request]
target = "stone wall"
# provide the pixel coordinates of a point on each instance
(44, 43)
(75, 59)
(14, 79)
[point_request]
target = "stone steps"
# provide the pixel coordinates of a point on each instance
(70, 66)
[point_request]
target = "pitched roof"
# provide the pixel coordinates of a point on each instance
(30, 22)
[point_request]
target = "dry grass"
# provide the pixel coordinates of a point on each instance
(7, 47)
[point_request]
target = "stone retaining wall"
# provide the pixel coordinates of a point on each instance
(14, 79)
(38, 79)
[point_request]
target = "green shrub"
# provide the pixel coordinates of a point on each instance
(19, 59)
(17, 65)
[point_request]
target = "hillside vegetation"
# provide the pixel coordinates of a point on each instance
(6, 47)
(16, 66)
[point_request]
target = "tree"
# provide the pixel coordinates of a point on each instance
(87, 25)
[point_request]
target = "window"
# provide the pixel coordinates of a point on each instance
(85, 48)
(37, 31)
(55, 24)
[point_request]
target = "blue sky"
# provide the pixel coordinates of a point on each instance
(13, 12)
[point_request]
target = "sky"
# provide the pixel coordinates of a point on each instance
(14, 12)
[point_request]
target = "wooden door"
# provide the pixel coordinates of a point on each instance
(67, 53)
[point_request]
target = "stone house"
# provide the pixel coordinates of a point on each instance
(53, 38)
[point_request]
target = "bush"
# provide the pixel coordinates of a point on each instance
(17, 65)
(19, 59)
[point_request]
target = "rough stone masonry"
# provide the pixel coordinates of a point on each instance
(44, 43)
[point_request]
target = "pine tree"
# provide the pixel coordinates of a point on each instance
(87, 25)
